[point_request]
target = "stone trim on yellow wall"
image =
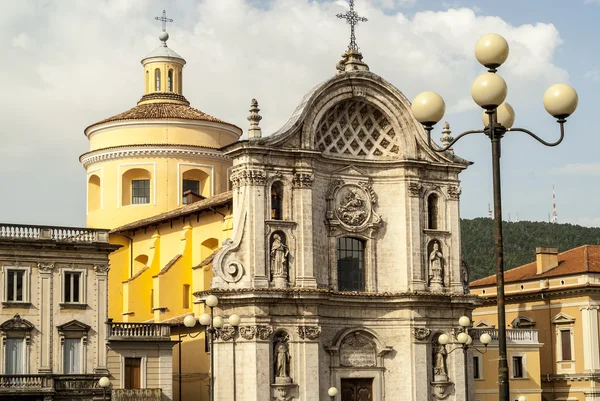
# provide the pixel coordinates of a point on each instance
(120, 181)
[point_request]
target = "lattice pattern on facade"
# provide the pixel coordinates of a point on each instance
(356, 128)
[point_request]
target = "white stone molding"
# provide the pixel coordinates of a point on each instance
(120, 181)
(26, 281)
(145, 151)
(563, 322)
(180, 179)
(74, 330)
(82, 282)
(143, 366)
(591, 351)
(17, 328)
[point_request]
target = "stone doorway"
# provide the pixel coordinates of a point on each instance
(357, 389)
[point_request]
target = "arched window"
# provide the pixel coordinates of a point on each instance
(157, 79)
(179, 82)
(136, 187)
(432, 212)
(93, 193)
(147, 85)
(351, 264)
(170, 81)
(277, 201)
(196, 181)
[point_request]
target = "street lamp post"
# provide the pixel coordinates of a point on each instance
(104, 382)
(332, 392)
(489, 91)
(464, 338)
(211, 323)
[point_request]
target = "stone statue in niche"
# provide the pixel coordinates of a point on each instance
(281, 359)
(440, 371)
(436, 268)
(464, 276)
(279, 255)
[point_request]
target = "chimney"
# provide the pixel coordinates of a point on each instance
(546, 258)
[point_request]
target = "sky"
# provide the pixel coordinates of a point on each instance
(70, 63)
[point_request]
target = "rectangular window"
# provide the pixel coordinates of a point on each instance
(14, 356)
(517, 366)
(72, 286)
(186, 296)
(350, 264)
(72, 356)
(140, 192)
(133, 373)
(476, 367)
(565, 342)
(15, 285)
(191, 185)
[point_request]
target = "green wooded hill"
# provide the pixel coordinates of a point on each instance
(520, 241)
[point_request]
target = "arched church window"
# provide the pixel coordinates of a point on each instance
(94, 193)
(277, 201)
(432, 212)
(350, 264)
(157, 79)
(170, 81)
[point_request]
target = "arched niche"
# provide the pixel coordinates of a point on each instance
(94, 193)
(196, 180)
(136, 187)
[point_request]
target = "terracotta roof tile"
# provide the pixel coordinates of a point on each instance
(208, 259)
(208, 203)
(582, 259)
(162, 111)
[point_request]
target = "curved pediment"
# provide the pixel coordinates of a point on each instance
(358, 115)
(17, 324)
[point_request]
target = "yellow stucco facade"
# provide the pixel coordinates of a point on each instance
(140, 164)
(552, 313)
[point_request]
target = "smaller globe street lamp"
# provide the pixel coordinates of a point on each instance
(522, 398)
(462, 336)
(211, 323)
(489, 91)
(104, 383)
(332, 392)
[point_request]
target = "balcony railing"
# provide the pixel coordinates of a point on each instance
(516, 336)
(142, 394)
(63, 234)
(138, 331)
(25, 382)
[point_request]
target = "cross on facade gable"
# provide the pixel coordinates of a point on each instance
(164, 20)
(353, 19)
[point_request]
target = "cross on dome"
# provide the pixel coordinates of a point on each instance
(164, 36)
(353, 19)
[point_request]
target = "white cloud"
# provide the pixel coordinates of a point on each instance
(592, 75)
(583, 221)
(76, 62)
(578, 169)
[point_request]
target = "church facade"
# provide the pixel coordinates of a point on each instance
(344, 262)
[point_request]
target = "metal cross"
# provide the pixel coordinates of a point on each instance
(353, 19)
(164, 20)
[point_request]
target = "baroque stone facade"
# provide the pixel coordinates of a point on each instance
(345, 257)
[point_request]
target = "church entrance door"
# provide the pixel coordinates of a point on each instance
(357, 389)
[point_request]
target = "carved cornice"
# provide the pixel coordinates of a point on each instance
(45, 267)
(248, 177)
(421, 333)
(101, 155)
(309, 332)
(260, 332)
(303, 180)
(414, 189)
(454, 192)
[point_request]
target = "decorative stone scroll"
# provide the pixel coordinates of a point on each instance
(248, 177)
(261, 332)
(414, 189)
(454, 192)
(421, 333)
(303, 180)
(309, 332)
(225, 333)
(102, 269)
(357, 350)
(45, 267)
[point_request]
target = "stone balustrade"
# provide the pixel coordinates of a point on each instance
(24, 381)
(141, 394)
(61, 234)
(138, 331)
(517, 336)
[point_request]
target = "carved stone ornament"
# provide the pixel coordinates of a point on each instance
(441, 390)
(454, 192)
(309, 332)
(303, 180)
(421, 333)
(357, 350)
(350, 206)
(414, 189)
(233, 271)
(101, 268)
(248, 177)
(225, 333)
(16, 323)
(45, 267)
(261, 332)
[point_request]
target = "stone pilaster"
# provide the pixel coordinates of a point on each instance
(46, 329)
(305, 276)
(101, 316)
(591, 353)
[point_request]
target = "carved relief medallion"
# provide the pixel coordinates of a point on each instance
(261, 332)
(421, 333)
(225, 333)
(247, 332)
(45, 267)
(352, 205)
(309, 332)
